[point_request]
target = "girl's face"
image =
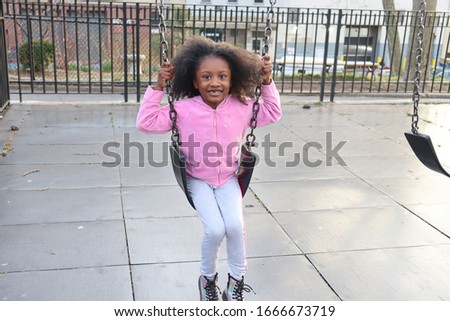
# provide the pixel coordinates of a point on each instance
(213, 80)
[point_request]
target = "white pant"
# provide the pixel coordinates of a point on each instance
(220, 209)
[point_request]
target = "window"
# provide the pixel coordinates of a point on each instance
(214, 34)
(259, 1)
(257, 41)
(257, 44)
(359, 42)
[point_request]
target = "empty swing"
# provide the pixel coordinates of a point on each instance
(421, 143)
(247, 157)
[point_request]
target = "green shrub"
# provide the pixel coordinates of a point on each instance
(72, 66)
(107, 66)
(44, 56)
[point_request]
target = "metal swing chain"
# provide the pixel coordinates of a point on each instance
(169, 89)
(256, 105)
(418, 73)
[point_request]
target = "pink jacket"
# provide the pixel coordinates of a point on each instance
(210, 138)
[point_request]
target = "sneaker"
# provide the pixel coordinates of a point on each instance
(209, 291)
(235, 289)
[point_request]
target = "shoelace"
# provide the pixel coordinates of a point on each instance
(239, 288)
(212, 291)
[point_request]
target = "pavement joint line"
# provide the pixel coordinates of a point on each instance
(65, 269)
(221, 259)
(328, 283)
(124, 219)
(61, 222)
(426, 222)
(400, 247)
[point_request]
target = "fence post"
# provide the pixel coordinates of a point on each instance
(325, 56)
(336, 54)
(125, 52)
(30, 48)
(4, 87)
(137, 67)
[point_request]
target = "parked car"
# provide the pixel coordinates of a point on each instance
(290, 65)
(297, 65)
(445, 74)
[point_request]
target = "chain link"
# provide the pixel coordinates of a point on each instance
(418, 72)
(169, 89)
(250, 138)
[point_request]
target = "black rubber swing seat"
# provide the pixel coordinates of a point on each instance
(423, 148)
(246, 166)
(179, 170)
(244, 175)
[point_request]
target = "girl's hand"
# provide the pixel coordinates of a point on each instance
(165, 74)
(266, 70)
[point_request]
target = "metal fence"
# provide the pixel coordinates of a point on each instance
(4, 84)
(86, 47)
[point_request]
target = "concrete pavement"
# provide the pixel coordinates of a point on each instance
(363, 221)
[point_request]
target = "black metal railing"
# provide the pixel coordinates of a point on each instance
(4, 83)
(87, 47)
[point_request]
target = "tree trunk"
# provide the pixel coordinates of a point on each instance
(427, 41)
(393, 38)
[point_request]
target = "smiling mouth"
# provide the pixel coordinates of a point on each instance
(215, 92)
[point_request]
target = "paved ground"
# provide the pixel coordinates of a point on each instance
(373, 224)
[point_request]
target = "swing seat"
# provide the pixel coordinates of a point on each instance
(247, 164)
(179, 169)
(245, 171)
(423, 148)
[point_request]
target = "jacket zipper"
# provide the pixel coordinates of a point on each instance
(217, 141)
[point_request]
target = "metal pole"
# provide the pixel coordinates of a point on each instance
(325, 56)
(4, 90)
(125, 55)
(336, 54)
(138, 53)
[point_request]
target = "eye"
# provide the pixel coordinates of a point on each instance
(222, 77)
(206, 77)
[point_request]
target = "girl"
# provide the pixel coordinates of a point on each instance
(214, 80)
